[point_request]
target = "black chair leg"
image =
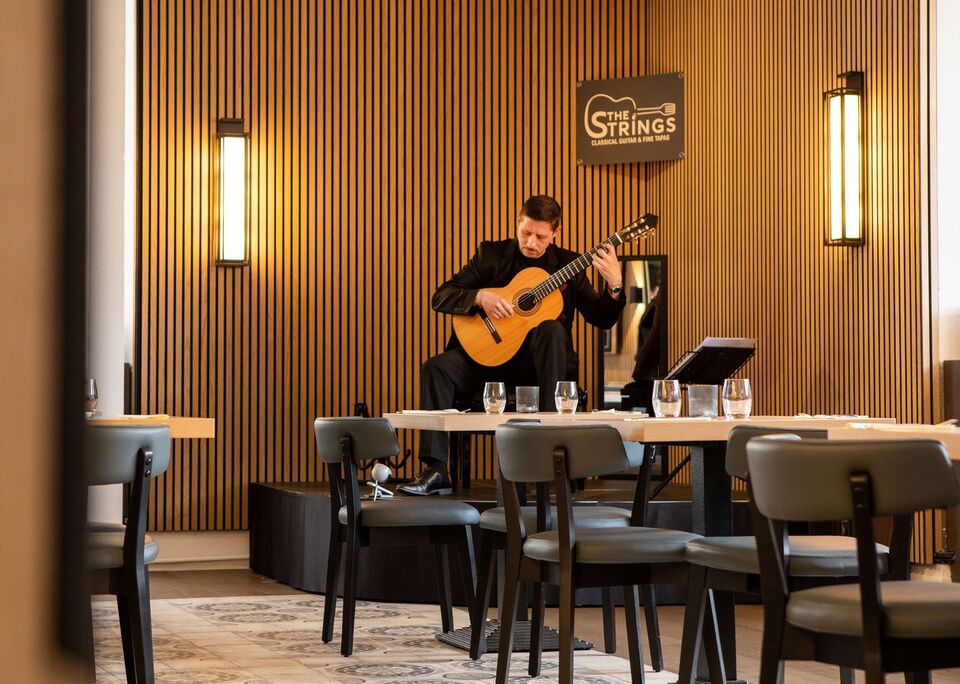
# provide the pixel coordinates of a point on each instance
(536, 630)
(349, 592)
(711, 641)
(141, 632)
(609, 621)
(443, 587)
(848, 675)
(468, 568)
(922, 677)
(567, 608)
(653, 625)
(631, 611)
(478, 620)
(771, 666)
(126, 638)
(692, 624)
(333, 583)
(510, 591)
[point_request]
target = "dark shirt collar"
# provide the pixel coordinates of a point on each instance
(549, 262)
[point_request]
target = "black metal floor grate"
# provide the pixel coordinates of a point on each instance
(460, 638)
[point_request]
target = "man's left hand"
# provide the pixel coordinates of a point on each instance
(605, 261)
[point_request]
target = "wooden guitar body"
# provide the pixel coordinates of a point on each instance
(492, 343)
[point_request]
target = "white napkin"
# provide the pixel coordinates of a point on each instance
(906, 427)
(825, 416)
(429, 411)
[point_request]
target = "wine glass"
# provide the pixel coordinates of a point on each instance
(566, 396)
(737, 398)
(90, 397)
(494, 397)
(666, 398)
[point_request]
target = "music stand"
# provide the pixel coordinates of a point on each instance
(713, 361)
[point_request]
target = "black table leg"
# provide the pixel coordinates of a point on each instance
(712, 516)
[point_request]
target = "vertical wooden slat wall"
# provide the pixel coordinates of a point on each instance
(389, 138)
(839, 330)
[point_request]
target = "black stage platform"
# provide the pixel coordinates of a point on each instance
(290, 528)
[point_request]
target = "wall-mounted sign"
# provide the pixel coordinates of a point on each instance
(630, 119)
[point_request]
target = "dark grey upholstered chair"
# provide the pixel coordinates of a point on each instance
(878, 626)
(118, 554)
(493, 540)
(567, 556)
(731, 564)
(342, 443)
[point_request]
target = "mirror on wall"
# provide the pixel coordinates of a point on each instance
(634, 352)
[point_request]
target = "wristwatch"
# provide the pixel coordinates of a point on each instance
(615, 289)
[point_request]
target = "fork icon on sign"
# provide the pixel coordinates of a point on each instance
(666, 109)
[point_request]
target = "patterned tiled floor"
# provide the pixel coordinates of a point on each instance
(277, 639)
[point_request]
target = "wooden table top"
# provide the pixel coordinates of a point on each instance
(948, 434)
(180, 427)
(645, 429)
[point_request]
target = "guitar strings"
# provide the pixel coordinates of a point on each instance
(528, 300)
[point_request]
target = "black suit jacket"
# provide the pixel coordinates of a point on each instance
(496, 263)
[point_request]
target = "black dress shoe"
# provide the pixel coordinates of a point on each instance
(430, 481)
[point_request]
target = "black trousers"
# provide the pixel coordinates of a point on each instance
(452, 375)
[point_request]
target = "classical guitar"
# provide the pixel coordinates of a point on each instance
(536, 298)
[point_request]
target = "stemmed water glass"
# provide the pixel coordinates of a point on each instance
(90, 397)
(737, 398)
(666, 399)
(494, 397)
(566, 396)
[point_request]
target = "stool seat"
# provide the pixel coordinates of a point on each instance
(810, 556)
(413, 512)
(622, 545)
(105, 546)
(915, 610)
(584, 517)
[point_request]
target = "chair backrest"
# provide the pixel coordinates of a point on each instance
(811, 479)
(736, 458)
(112, 451)
(371, 438)
(525, 451)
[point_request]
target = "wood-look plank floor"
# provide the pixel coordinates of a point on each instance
(589, 626)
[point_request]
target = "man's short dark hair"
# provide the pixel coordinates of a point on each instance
(542, 208)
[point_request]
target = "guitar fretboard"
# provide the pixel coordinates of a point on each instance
(566, 273)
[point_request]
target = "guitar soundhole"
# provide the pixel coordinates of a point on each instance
(525, 303)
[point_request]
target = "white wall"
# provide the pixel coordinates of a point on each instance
(947, 175)
(110, 253)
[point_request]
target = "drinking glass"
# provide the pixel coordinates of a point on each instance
(566, 396)
(702, 400)
(528, 399)
(494, 397)
(737, 398)
(90, 397)
(666, 398)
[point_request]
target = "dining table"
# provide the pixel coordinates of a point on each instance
(711, 500)
(181, 427)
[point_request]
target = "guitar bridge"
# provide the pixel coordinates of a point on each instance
(492, 330)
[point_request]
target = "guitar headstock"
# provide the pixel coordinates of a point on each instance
(638, 227)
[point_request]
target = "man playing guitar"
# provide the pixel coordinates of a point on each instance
(546, 354)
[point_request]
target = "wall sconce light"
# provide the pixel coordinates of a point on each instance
(233, 199)
(845, 157)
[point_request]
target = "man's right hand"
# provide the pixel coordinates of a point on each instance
(495, 306)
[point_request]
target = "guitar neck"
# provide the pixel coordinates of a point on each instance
(572, 269)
